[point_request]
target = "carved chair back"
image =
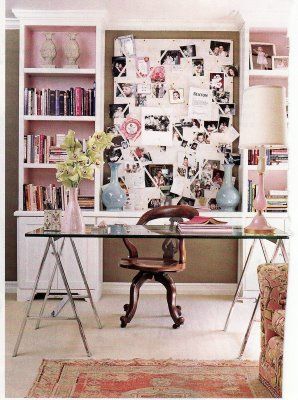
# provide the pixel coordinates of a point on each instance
(169, 246)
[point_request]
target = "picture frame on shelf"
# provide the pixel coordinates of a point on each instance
(261, 54)
(280, 63)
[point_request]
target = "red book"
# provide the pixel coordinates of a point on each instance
(38, 93)
(197, 220)
(78, 101)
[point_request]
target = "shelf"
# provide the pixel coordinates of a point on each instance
(39, 165)
(58, 118)
(276, 73)
(59, 71)
(277, 167)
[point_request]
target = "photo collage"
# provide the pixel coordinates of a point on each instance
(172, 119)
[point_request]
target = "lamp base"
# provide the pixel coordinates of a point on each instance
(259, 225)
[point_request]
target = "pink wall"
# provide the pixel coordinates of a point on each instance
(279, 38)
(86, 40)
(83, 129)
(276, 180)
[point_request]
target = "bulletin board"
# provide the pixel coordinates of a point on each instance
(174, 107)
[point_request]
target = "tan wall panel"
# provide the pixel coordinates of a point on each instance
(11, 151)
(208, 260)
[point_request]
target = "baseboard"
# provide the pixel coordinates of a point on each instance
(11, 286)
(182, 288)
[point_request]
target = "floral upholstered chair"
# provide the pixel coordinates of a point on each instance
(273, 280)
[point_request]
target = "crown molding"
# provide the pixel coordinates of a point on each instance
(12, 23)
(58, 17)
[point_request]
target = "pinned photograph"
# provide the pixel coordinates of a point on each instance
(210, 126)
(212, 204)
(261, 55)
(280, 62)
(223, 124)
(154, 203)
(186, 201)
(157, 123)
(170, 57)
(158, 90)
(157, 126)
(141, 100)
(125, 89)
(231, 158)
(197, 67)
(161, 174)
(119, 66)
(157, 74)
(142, 67)
(216, 80)
(230, 70)
(217, 179)
(196, 189)
(220, 96)
(227, 109)
(127, 45)
(118, 110)
(176, 96)
(189, 51)
(143, 156)
(219, 48)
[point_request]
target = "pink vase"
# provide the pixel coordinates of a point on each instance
(72, 220)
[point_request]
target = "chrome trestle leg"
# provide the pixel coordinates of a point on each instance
(71, 300)
(15, 351)
(86, 283)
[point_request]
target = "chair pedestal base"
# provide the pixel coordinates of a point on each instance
(167, 282)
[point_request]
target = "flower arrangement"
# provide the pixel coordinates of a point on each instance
(81, 164)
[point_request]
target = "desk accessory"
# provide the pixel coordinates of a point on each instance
(228, 196)
(52, 218)
(263, 125)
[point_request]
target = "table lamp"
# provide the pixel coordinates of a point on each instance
(263, 125)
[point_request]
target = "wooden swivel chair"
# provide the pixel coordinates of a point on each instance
(157, 268)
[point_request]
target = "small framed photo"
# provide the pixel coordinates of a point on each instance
(127, 44)
(280, 62)
(223, 124)
(189, 51)
(217, 80)
(119, 66)
(142, 67)
(261, 55)
(176, 96)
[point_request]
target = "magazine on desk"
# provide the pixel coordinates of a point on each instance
(204, 224)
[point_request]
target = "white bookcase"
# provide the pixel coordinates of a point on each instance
(94, 24)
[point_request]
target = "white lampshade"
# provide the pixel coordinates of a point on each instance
(264, 118)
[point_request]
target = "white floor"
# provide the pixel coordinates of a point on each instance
(149, 335)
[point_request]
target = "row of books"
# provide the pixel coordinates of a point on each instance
(40, 149)
(74, 102)
(273, 156)
(277, 200)
(36, 197)
(204, 225)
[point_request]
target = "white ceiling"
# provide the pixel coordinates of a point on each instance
(255, 12)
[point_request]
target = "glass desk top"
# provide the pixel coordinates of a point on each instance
(154, 231)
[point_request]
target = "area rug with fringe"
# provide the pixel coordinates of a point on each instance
(148, 378)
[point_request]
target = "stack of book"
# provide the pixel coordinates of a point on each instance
(35, 197)
(205, 225)
(86, 202)
(273, 156)
(252, 191)
(37, 148)
(75, 101)
(56, 154)
(278, 156)
(277, 201)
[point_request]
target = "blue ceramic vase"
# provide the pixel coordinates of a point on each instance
(228, 196)
(113, 196)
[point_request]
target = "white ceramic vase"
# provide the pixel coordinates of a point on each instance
(48, 51)
(72, 51)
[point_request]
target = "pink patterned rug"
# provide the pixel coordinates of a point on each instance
(148, 378)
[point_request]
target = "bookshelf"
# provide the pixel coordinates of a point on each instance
(276, 174)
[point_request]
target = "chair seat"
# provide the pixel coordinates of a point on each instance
(150, 264)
